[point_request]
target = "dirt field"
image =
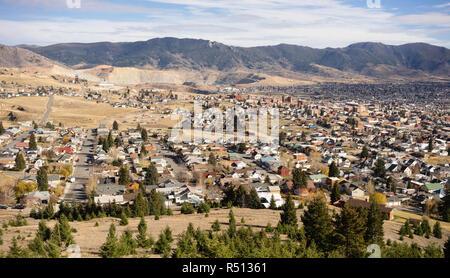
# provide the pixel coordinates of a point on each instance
(34, 108)
(90, 238)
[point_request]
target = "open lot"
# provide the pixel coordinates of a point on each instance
(90, 238)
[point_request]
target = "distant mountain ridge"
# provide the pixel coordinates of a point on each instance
(192, 54)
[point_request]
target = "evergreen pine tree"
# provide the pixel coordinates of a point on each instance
(212, 159)
(110, 249)
(232, 222)
(32, 144)
(444, 208)
(141, 238)
(437, 231)
(380, 169)
(335, 193)
(152, 175)
(2, 129)
(447, 248)
(216, 226)
(318, 224)
(273, 204)
(123, 219)
(350, 230)
(42, 179)
(364, 152)
(124, 175)
(289, 215)
(144, 134)
(115, 125)
(333, 170)
(254, 200)
(374, 232)
(20, 161)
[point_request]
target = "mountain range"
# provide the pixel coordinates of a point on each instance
(360, 60)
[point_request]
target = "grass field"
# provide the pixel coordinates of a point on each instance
(90, 238)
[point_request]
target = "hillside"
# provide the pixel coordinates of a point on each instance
(369, 59)
(15, 57)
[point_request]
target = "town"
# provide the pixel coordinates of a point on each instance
(352, 144)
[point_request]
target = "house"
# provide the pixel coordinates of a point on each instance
(53, 180)
(109, 192)
(393, 201)
(356, 203)
(283, 171)
(433, 187)
(265, 193)
(36, 198)
(7, 162)
(319, 178)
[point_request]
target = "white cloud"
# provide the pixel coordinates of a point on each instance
(315, 23)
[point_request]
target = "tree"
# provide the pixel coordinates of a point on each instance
(152, 175)
(144, 134)
(65, 231)
(20, 161)
(447, 248)
(289, 215)
(350, 230)
(123, 219)
(242, 147)
(110, 249)
(444, 208)
(430, 145)
(15, 251)
(141, 239)
(426, 228)
(216, 226)
(124, 175)
(32, 144)
(2, 129)
(232, 224)
(156, 204)
(380, 169)
(254, 200)
(23, 187)
(379, 198)
(364, 153)
(374, 232)
(267, 180)
(299, 179)
(391, 184)
(317, 224)
(212, 159)
(335, 193)
(42, 179)
(187, 208)
(143, 152)
(405, 230)
(273, 204)
(437, 231)
(127, 245)
(115, 125)
(140, 205)
(333, 170)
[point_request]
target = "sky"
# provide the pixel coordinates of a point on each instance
(313, 23)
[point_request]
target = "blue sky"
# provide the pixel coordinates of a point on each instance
(315, 23)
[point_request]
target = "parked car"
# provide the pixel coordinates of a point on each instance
(3, 207)
(19, 206)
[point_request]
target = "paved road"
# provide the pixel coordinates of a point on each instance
(48, 111)
(82, 170)
(172, 159)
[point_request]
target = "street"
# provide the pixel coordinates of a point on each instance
(82, 170)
